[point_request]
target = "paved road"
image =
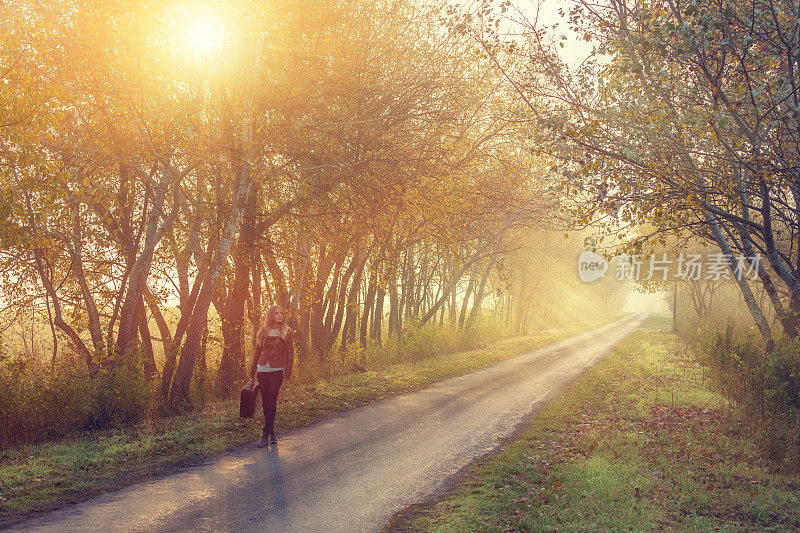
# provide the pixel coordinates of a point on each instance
(353, 471)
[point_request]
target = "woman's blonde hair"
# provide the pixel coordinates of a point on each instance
(269, 323)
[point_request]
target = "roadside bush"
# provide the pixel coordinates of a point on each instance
(735, 363)
(417, 343)
(766, 385)
(742, 370)
(37, 404)
(120, 396)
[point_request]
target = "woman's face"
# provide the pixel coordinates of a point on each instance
(277, 316)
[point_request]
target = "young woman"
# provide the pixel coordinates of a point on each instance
(273, 356)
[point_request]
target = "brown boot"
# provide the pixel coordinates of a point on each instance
(272, 438)
(264, 440)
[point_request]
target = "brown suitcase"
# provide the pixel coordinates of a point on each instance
(249, 401)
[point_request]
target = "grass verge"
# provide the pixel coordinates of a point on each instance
(38, 478)
(636, 444)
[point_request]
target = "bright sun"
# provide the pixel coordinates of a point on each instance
(203, 35)
(192, 33)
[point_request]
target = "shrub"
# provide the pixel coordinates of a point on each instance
(417, 343)
(422, 342)
(766, 385)
(37, 405)
(782, 378)
(120, 396)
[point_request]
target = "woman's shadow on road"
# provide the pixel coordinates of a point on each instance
(267, 473)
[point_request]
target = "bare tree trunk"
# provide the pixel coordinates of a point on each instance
(278, 277)
(394, 308)
(231, 366)
(343, 299)
(304, 313)
(52, 331)
(789, 320)
(93, 315)
(254, 310)
(141, 268)
(744, 287)
(470, 287)
(317, 333)
(368, 305)
(376, 329)
(422, 283)
(352, 301)
(183, 374)
(166, 340)
(188, 297)
(39, 263)
(331, 302)
(149, 361)
(449, 290)
(476, 306)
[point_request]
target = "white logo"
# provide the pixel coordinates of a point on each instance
(591, 266)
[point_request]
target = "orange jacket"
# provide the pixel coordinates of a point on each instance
(277, 351)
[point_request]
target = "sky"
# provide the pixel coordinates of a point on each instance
(575, 49)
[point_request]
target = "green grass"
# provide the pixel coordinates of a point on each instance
(638, 443)
(42, 477)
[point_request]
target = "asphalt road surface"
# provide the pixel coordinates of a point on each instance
(352, 471)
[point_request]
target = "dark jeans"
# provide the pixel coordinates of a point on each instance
(269, 383)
